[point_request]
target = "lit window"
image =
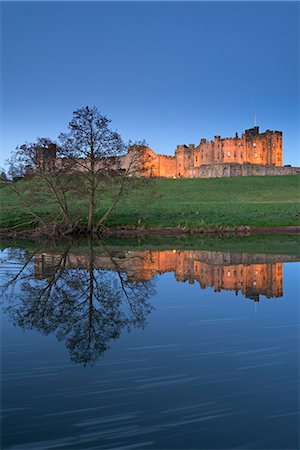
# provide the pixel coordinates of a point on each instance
(228, 273)
(254, 144)
(228, 153)
(254, 283)
(255, 154)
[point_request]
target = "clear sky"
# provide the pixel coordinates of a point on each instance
(169, 73)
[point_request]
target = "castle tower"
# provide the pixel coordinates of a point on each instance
(184, 159)
(263, 148)
(45, 157)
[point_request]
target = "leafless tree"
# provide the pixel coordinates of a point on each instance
(104, 162)
(91, 163)
(48, 184)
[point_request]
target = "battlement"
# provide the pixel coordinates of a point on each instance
(252, 132)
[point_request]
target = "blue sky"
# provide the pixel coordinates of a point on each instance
(169, 73)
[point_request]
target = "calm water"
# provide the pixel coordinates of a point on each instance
(130, 348)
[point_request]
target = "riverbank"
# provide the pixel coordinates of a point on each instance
(128, 232)
(239, 205)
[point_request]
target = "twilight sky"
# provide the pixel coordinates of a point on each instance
(169, 73)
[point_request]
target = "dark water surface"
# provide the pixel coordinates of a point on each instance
(150, 346)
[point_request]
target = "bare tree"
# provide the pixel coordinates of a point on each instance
(48, 184)
(90, 163)
(105, 163)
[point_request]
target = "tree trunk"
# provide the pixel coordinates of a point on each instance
(91, 216)
(91, 281)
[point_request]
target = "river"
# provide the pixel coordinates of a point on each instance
(150, 345)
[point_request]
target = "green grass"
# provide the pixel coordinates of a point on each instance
(269, 201)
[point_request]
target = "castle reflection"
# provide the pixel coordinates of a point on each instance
(251, 274)
(88, 296)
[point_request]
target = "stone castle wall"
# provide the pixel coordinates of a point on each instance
(251, 154)
(239, 170)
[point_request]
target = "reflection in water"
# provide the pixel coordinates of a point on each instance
(88, 298)
(85, 306)
(252, 274)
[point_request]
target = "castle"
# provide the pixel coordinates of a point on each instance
(253, 153)
(251, 274)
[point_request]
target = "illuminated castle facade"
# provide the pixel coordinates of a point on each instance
(252, 153)
(219, 156)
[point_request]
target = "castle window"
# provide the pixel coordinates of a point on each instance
(255, 154)
(240, 144)
(235, 154)
(254, 144)
(228, 153)
(241, 155)
(196, 158)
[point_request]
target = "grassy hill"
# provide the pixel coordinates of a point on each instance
(269, 201)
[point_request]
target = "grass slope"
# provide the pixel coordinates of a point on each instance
(271, 201)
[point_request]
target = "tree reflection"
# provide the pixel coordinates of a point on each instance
(85, 307)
